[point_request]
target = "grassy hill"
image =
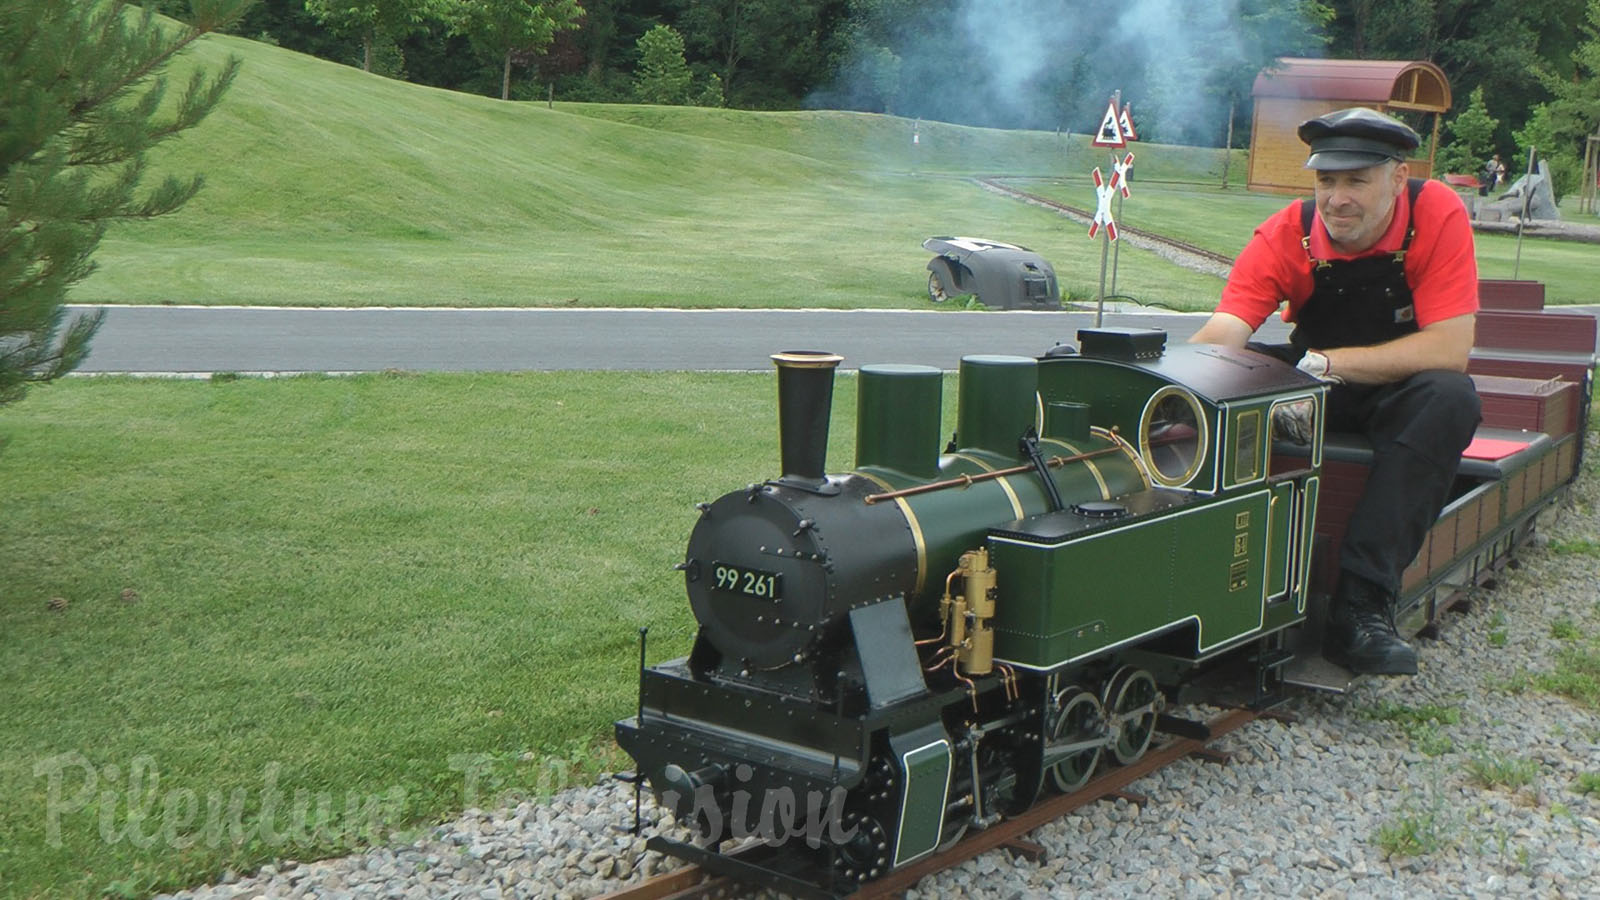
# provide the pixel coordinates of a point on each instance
(867, 142)
(329, 186)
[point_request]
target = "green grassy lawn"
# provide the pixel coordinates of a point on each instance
(1567, 268)
(1570, 213)
(285, 592)
(843, 245)
(353, 582)
(867, 142)
(1205, 215)
(328, 186)
(331, 187)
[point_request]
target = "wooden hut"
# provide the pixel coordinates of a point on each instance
(1296, 89)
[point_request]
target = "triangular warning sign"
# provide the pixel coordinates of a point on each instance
(1110, 133)
(1126, 121)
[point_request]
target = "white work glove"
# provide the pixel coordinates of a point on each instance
(1295, 421)
(1316, 365)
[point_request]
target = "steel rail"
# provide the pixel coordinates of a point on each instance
(692, 883)
(1085, 214)
(687, 883)
(1011, 830)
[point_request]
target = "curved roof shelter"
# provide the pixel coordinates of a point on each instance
(1365, 82)
(1296, 89)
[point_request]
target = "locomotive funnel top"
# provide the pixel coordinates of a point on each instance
(806, 359)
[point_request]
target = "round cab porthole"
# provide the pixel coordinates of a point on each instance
(1172, 436)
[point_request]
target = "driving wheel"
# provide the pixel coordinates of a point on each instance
(1079, 719)
(1131, 701)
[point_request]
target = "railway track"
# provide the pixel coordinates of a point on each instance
(1182, 252)
(693, 883)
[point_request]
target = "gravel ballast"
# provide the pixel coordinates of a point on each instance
(1405, 787)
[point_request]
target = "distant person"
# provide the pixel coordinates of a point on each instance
(1380, 280)
(1494, 172)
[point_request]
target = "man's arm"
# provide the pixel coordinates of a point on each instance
(1223, 328)
(1445, 344)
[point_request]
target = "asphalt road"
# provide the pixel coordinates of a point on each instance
(173, 339)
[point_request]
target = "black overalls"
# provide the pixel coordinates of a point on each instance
(1418, 426)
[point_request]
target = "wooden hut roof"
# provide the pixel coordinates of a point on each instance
(1399, 84)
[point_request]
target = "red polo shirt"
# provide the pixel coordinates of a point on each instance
(1440, 266)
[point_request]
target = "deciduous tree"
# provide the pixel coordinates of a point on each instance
(509, 32)
(765, 51)
(1266, 30)
(372, 19)
(1558, 128)
(1576, 106)
(82, 101)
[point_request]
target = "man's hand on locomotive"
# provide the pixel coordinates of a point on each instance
(1318, 366)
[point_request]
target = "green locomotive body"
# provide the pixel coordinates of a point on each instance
(834, 655)
(927, 642)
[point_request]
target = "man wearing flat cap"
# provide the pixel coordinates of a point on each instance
(1379, 278)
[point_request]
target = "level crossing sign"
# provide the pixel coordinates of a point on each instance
(1102, 213)
(1125, 120)
(1120, 178)
(1110, 133)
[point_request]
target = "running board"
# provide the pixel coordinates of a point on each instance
(1309, 669)
(1317, 673)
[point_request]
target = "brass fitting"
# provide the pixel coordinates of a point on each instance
(968, 614)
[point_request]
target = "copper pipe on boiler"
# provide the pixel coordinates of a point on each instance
(1054, 462)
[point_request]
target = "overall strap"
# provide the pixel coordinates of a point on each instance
(1413, 190)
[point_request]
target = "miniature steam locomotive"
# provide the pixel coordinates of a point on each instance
(926, 643)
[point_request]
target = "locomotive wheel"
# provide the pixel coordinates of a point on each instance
(1080, 710)
(1129, 690)
(866, 854)
(1019, 779)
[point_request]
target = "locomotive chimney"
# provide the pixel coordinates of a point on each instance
(805, 401)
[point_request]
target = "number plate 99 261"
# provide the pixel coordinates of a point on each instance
(748, 582)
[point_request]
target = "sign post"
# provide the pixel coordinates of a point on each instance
(1527, 195)
(916, 144)
(1123, 170)
(1116, 129)
(1105, 222)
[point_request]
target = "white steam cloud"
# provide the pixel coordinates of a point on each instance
(1050, 64)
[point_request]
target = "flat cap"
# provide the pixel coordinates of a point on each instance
(1355, 138)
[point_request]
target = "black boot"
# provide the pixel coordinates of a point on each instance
(1361, 634)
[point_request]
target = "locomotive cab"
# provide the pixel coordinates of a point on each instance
(1216, 545)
